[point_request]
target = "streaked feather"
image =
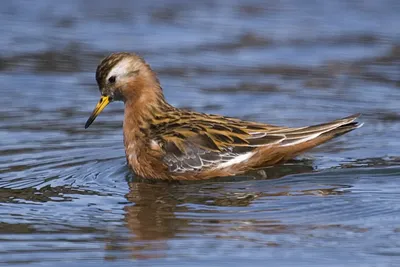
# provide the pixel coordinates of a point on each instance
(163, 142)
(195, 141)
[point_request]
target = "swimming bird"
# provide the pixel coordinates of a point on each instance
(168, 143)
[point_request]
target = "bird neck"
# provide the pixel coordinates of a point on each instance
(140, 113)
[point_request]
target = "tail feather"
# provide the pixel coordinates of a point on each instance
(335, 128)
(317, 135)
(297, 140)
(346, 128)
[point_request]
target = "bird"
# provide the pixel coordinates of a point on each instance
(163, 142)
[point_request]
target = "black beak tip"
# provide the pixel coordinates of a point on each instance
(87, 124)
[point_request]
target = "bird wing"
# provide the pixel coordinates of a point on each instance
(192, 141)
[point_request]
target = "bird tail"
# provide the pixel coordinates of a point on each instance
(299, 140)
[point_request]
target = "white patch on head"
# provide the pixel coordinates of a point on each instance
(123, 67)
(238, 159)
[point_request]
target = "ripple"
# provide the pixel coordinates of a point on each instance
(67, 196)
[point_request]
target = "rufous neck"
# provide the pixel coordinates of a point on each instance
(141, 111)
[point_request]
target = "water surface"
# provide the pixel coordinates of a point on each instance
(68, 198)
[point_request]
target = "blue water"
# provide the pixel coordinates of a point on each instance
(68, 198)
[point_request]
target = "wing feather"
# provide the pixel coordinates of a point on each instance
(193, 141)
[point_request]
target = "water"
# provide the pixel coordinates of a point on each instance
(68, 198)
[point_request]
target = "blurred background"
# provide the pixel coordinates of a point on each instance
(66, 195)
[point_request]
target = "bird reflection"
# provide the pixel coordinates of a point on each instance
(161, 212)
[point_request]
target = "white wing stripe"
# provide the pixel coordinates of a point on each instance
(236, 160)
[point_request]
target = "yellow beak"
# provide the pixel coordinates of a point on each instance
(104, 101)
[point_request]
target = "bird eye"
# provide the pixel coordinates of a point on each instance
(111, 79)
